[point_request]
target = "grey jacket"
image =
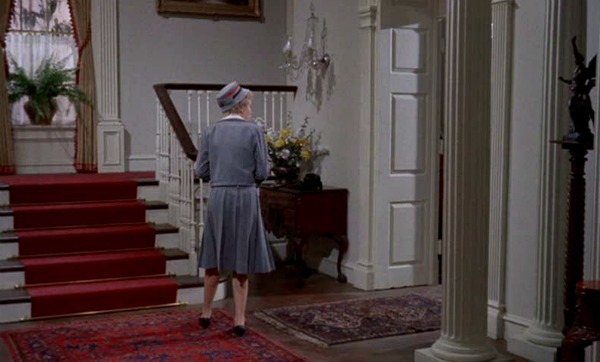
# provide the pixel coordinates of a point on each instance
(233, 152)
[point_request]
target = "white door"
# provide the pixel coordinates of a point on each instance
(405, 187)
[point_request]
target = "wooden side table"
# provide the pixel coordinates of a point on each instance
(586, 327)
(299, 214)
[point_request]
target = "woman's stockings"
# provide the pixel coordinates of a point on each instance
(211, 281)
(240, 297)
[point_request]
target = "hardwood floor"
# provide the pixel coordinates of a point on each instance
(279, 289)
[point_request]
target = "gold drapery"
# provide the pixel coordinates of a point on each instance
(85, 139)
(7, 151)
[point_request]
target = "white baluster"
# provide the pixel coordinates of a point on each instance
(272, 99)
(208, 93)
(265, 107)
(199, 121)
(281, 99)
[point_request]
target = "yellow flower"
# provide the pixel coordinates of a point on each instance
(268, 138)
(305, 154)
(285, 133)
(279, 143)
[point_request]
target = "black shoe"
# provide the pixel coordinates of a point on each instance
(204, 322)
(239, 330)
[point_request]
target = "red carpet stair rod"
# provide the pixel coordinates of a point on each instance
(82, 243)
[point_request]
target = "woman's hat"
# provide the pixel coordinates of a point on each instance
(231, 95)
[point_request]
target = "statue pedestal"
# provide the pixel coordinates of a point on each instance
(575, 224)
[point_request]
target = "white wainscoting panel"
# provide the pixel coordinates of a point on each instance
(44, 149)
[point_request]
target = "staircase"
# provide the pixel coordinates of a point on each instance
(72, 244)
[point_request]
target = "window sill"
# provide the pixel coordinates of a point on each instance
(51, 132)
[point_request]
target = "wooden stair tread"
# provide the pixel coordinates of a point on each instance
(146, 181)
(13, 265)
(9, 296)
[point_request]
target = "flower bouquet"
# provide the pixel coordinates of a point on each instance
(290, 150)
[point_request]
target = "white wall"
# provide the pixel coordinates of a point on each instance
(338, 117)
(154, 49)
(591, 49)
(525, 149)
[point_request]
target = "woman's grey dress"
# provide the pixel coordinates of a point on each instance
(233, 156)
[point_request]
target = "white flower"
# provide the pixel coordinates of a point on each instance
(285, 153)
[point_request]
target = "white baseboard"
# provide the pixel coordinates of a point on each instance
(515, 328)
(495, 322)
(141, 163)
(520, 346)
(362, 277)
(514, 325)
(426, 355)
(279, 249)
(328, 266)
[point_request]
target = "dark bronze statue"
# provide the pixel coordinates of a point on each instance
(580, 105)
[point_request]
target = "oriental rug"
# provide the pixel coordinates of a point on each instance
(173, 335)
(353, 320)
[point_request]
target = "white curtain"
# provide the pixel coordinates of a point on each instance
(28, 49)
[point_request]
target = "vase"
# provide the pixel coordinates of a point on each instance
(45, 118)
(285, 174)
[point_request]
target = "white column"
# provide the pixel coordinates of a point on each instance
(466, 202)
(540, 340)
(363, 272)
(502, 43)
(111, 133)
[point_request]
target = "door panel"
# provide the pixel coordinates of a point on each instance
(406, 137)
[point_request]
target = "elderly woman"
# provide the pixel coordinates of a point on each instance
(233, 157)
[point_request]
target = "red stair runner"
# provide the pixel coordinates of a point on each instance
(26, 189)
(74, 240)
(97, 221)
(86, 297)
(56, 215)
(94, 266)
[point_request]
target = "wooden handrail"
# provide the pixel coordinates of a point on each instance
(162, 92)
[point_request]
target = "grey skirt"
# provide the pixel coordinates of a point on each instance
(234, 237)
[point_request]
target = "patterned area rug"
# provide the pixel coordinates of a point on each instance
(358, 319)
(159, 336)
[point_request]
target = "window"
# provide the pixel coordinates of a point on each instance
(41, 29)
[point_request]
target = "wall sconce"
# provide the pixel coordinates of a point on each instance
(320, 77)
(309, 57)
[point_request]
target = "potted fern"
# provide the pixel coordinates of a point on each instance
(50, 80)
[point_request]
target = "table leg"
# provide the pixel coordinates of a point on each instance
(303, 272)
(342, 241)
